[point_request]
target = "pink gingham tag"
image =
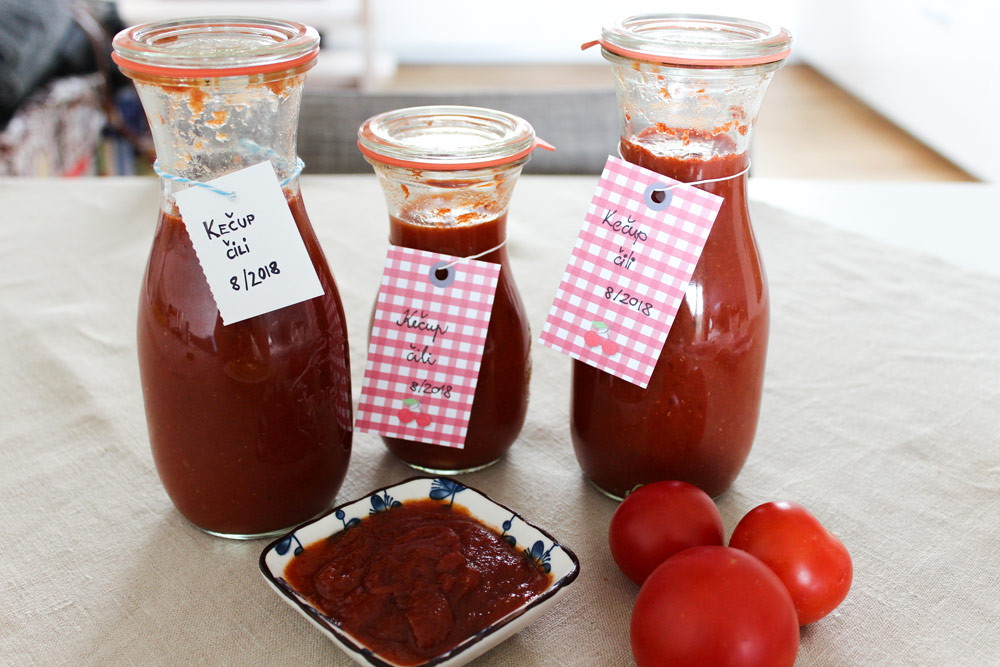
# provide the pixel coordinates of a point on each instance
(426, 346)
(629, 270)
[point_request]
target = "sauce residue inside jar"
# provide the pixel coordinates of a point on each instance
(416, 580)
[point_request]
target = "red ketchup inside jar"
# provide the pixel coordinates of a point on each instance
(250, 423)
(696, 419)
(501, 400)
(448, 174)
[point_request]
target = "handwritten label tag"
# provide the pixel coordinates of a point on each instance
(426, 346)
(629, 270)
(248, 246)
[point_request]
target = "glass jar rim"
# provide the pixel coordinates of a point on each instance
(447, 137)
(696, 40)
(214, 46)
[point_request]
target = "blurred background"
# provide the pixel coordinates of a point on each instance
(875, 90)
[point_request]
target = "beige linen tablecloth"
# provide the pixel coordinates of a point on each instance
(880, 416)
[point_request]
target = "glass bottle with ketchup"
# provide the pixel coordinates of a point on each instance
(448, 173)
(250, 422)
(689, 89)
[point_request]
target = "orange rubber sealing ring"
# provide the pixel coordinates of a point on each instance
(211, 73)
(454, 166)
(670, 60)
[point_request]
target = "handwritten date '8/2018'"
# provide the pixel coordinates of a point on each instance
(254, 277)
(630, 300)
(425, 387)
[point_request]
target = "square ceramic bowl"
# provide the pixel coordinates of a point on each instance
(536, 544)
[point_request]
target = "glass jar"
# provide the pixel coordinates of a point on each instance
(689, 89)
(249, 423)
(448, 173)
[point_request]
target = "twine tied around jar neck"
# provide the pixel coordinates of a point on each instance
(665, 187)
(440, 273)
(296, 171)
(658, 196)
(468, 257)
(476, 256)
(705, 180)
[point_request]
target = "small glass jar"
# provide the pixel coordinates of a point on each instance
(448, 173)
(249, 423)
(689, 89)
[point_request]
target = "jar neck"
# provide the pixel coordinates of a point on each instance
(213, 127)
(689, 113)
(446, 199)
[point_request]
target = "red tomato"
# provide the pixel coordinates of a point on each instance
(809, 560)
(658, 520)
(714, 606)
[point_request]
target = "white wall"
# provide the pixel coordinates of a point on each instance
(927, 65)
(526, 31)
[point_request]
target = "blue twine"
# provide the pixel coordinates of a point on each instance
(299, 166)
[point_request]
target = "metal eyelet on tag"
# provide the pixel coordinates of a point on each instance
(439, 268)
(658, 196)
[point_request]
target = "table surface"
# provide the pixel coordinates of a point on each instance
(879, 415)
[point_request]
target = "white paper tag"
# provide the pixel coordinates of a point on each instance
(248, 246)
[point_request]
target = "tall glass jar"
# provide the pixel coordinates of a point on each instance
(689, 89)
(249, 423)
(448, 173)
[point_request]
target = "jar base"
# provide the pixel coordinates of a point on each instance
(604, 491)
(618, 498)
(240, 536)
(259, 536)
(449, 471)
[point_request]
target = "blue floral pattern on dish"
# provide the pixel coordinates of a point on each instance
(445, 488)
(284, 545)
(540, 555)
(441, 489)
(347, 524)
(507, 525)
(381, 503)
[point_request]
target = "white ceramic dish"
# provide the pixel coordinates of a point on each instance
(536, 544)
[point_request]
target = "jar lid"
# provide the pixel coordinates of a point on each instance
(697, 40)
(209, 47)
(447, 138)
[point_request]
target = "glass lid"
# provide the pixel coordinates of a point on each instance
(698, 40)
(447, 138)
(215, 46)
